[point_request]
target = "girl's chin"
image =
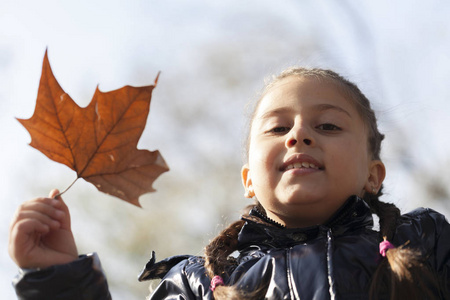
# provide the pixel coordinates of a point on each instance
(302, 202)
(303, 197)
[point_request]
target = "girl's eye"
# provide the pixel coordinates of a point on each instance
(328, 127)
(280, 129)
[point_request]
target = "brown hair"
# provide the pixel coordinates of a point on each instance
(396, 274)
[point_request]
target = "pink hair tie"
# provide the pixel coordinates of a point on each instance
(384, 246)
(215, 282)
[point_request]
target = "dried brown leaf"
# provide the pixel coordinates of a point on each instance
(99, 141)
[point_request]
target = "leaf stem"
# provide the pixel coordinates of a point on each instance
(58, 195)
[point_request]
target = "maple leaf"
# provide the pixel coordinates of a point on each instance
(98, 141)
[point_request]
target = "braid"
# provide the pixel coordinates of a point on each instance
(387, 212)
(218, 261)
(402, 275)
(217, 253)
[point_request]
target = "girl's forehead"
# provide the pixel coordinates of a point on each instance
(296, 89)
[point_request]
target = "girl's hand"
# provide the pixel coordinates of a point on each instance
(40, 235)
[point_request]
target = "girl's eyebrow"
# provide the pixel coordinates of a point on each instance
(275, 112)
(317, 107)
(323, 107)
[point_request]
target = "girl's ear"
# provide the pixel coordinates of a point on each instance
(377, 173)
(247, 182)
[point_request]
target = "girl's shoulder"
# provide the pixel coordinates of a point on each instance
(158, 270)
(182, 277)
(427, 230)
(425, 219)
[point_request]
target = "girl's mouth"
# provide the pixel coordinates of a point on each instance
(301, 161)
(304, 165)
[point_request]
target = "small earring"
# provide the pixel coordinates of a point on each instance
(249, 193)
(374, 191)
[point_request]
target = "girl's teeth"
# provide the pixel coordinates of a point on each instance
(302, 165)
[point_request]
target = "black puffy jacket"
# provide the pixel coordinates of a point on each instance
(332, 261)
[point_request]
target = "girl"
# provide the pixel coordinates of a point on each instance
(315, 172)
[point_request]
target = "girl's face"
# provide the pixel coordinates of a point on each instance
(308, 152)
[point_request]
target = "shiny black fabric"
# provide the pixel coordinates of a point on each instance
(332, 261)
(82, 279)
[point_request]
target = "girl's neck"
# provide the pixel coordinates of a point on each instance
(303, 216)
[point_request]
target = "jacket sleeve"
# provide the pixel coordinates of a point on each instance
(82, 279)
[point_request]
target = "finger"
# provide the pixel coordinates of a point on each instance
(55, 194)
(50, 207)
(38, 216)
(48, 201)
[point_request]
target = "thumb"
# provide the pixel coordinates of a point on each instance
(55, 194)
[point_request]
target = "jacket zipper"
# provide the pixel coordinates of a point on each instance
(267, 219)
(330, 264)
(290, 277)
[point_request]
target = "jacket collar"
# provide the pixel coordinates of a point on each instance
(353, 215)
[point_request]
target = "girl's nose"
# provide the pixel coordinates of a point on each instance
(298, 135)
(292, 141)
